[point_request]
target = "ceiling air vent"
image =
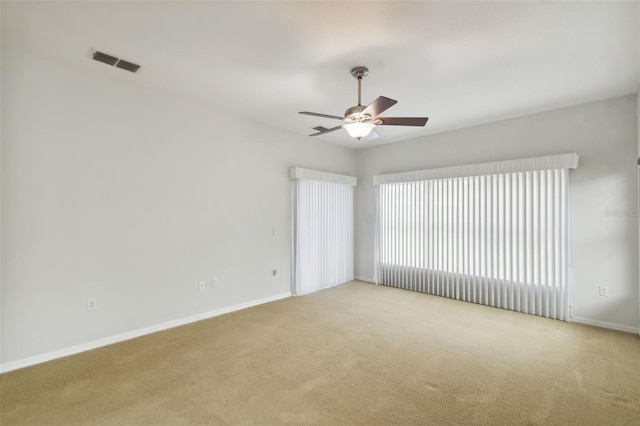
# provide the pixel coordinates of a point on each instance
(103, 57)
(112, 60)
(125, 65)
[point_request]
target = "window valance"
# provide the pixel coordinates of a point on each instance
(300, 173)
(550, 162)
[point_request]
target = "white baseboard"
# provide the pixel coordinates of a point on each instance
(49, 356)
(365, 279)
(604, 324)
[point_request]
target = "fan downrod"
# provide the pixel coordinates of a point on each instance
(359, 73)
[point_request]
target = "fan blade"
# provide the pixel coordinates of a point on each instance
(315, 114)
(322, 132)
(378, 106)
(403, 121)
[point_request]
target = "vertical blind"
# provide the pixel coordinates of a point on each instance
(322, 230)
(498, 239)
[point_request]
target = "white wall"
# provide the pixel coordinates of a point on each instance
(131, 196)
(605, 248)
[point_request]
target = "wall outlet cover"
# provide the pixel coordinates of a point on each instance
(92, 304)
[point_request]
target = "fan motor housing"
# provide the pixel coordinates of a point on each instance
(355, 114)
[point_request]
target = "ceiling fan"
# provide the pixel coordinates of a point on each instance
(360, 120)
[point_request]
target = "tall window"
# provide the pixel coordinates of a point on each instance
(323, 230)
(498, 234)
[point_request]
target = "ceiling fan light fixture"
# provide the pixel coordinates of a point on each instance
(359, 130)
(360, 120)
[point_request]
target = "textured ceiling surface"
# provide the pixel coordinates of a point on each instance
(459, 63)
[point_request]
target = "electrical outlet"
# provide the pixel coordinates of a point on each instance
(213, 282)
(275, 272)
(604, 291)
(570, 311)
(92, 304)
(203, 285)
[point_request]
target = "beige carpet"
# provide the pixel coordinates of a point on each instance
(354, 354)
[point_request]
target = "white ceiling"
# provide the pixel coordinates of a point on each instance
(459, 63)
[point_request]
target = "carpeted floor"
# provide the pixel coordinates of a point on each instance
(353, 354)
